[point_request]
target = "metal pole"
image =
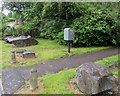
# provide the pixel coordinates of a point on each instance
(68, 46)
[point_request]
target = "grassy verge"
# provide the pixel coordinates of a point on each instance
(57, 83)
(45, 50)
(111, 61)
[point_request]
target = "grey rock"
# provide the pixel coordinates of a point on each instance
(28, 54)
(7, 39)
(21, 41)
(92, 78)
(20, 51)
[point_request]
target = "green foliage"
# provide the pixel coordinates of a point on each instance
(10, 32)
(95, 29)
(3, 28)
(92, 27)
(51, 29)
(61, 10)
(15, 15)
(95, 24)
(11, 20)
(60, 39)
(31, 28)
(10, 15)
(3, 18)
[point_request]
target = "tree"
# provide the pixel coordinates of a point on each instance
(17, 7)
(3, 17)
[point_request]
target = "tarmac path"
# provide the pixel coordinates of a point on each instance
(14, 78)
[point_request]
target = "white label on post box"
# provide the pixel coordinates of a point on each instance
(68, 34)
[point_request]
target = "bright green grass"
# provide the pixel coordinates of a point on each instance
(110, 61)
(57, 83)
(45, 50)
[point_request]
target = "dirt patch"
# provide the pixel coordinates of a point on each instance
(71, 52)
(73, 87)
(13, 46)
(25, 89)
(19, 60)
(114, 66)
(10, 63)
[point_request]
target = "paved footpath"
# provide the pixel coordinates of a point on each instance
(14, 78)
(1, 86)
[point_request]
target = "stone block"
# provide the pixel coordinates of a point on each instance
(28, 54)
(20, 51)
(21, 41)
(92, 78)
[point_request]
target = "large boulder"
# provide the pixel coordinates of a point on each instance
(92, 78)
(21, 41)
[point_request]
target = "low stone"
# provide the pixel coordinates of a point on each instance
(7, 39)
(33, 79)
(28, 54)
(21, 41)
(20, 51)
(92, 78)
(13, 57)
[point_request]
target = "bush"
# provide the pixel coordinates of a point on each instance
(92, 27)
(31, 28)
(60, 39)
(11, 20)
(9, 32)
(51, 29)
(3, 28)
(92, 30)
(14, 31)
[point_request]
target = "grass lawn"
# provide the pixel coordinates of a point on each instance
(57, 83)
(111, 61)
(45, 50)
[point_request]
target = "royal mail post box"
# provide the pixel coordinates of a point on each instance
(69, 34)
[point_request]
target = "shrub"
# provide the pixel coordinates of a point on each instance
(3, 28)
(92, 30)
(92, 27)
(51, 29)
(9, 32)
(11, 20)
